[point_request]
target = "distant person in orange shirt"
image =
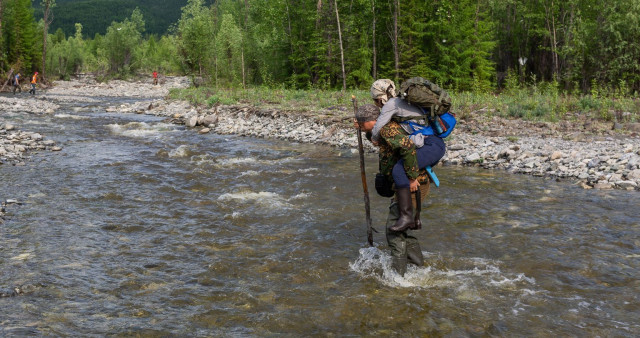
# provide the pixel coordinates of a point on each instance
(34, 80)
(155, 78)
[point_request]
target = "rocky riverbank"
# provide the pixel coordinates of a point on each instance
(591, 153)
(16, 144)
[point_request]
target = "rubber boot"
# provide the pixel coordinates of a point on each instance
(405, 207)
(397, 242)
(398, 245)
(414, 252)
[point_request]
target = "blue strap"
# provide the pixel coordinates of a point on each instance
(433, 176)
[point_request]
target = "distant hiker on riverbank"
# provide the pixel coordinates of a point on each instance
(155, 78)
(34, 80)
(16, 83)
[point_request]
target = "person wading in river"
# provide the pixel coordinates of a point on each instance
(16, 83)
(396, 149)
(34, 80)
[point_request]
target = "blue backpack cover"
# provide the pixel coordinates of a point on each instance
(442, 126)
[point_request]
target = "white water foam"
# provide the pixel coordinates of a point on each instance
(375, 263)
(243, 161)
(249, 173)
(140, 129)
(69, 116)
(263, 197)
(181, 151)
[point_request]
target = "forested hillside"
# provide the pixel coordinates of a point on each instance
(480, 46)
(96, 15)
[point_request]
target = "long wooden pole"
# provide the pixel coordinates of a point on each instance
(367, 207)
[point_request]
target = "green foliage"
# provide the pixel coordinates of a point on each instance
(19, 40)
(195, 37)
(229, 51)
(120, 43)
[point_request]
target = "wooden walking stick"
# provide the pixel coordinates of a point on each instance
(367, 208)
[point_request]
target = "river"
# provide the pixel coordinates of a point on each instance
(140, 227)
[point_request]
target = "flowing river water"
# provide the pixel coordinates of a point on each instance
(139, 227)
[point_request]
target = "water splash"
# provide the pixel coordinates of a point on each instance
(181, 151)
(458, 274)
(140, 129)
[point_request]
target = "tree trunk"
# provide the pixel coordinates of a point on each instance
(344, 77)
(244, 83)
(246, 22)
(47, 19)
(396, 49)
(318, 12)
(373, 35)
(551, 28)
(1, 12)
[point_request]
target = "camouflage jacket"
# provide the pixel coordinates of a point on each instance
(394, 146)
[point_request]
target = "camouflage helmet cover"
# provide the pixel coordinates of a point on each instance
(383, 89)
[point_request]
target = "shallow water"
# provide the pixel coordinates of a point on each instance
(139, 227)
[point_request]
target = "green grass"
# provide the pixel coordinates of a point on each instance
(531, 104)
(280, 98)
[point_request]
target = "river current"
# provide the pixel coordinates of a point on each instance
(140, 227)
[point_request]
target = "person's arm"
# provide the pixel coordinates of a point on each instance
(387, 112)
(400, 142)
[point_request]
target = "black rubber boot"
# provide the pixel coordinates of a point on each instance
(405, 221)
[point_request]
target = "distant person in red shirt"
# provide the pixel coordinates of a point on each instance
(155, 78)
(34, 80)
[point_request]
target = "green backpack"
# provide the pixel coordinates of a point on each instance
(425, 94)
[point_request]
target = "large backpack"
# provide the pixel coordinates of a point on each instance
(434, 102)
(425, 94)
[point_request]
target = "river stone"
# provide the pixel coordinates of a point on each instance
(9, 127)
(192, 121)
(633, 127)
(603, 185)
(56, 148)
(634, 175)
(210, 120)
(593, 163)
(473, 157)
(627, 184)
(556, 155)
(204, 131)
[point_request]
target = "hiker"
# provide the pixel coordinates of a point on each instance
(429, 149)
(399, 159)
(16, 83)
(34, 80)
(155, 78)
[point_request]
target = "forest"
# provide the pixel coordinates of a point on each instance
(577, 47)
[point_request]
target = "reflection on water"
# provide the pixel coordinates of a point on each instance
(139, 227)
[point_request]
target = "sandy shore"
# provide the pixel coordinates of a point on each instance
(592, 154)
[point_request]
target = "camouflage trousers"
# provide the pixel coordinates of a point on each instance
(405, 248)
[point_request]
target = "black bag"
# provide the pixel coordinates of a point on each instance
(384, 186)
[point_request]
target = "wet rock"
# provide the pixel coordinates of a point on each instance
(210, 120)
(556, 155)
(603, 185)
(474, 157)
